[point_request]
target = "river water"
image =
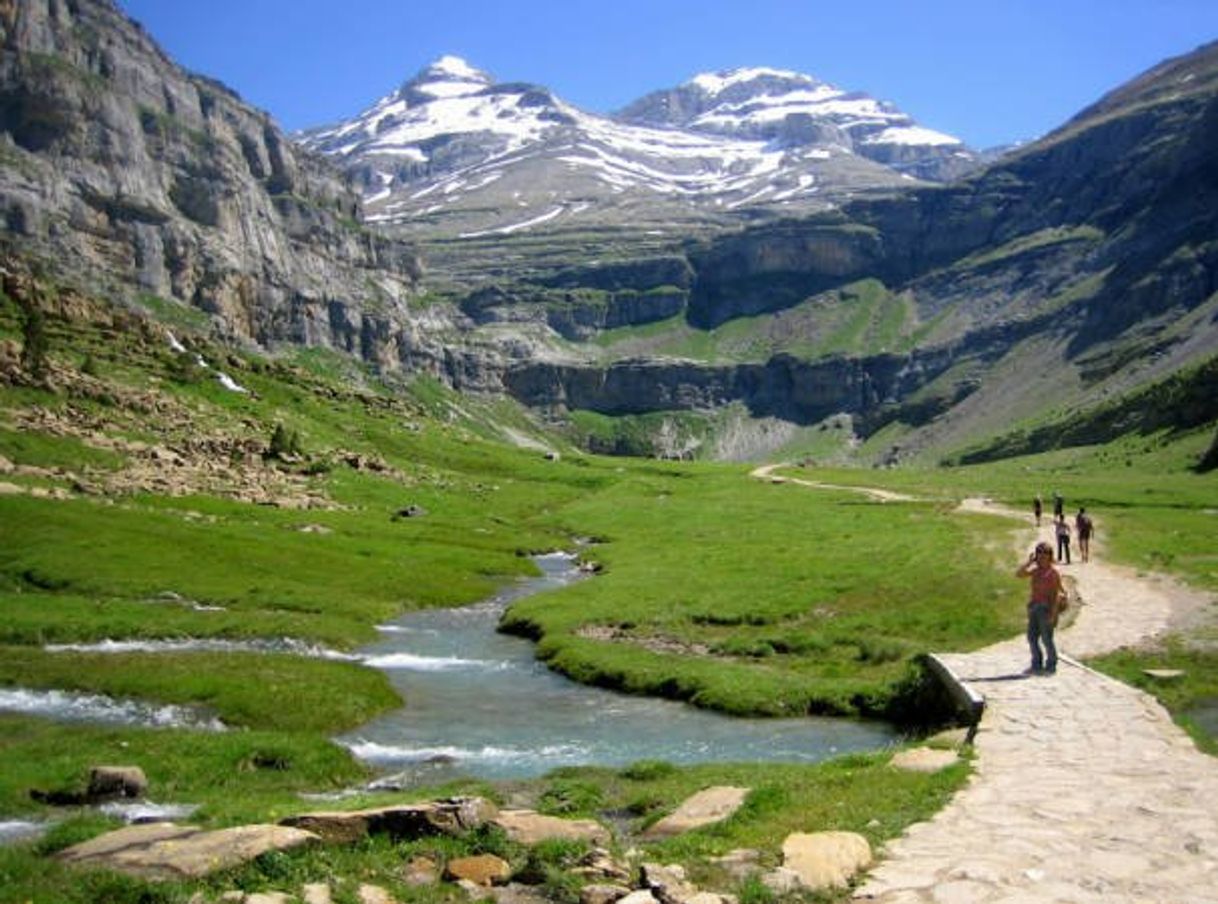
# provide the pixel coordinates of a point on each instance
(478, 703)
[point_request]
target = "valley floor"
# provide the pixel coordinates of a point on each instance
(1084, 788)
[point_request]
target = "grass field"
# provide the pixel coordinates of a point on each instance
(713, 587)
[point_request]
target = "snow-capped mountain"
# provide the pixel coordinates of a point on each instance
(452, 153)
(776, 104)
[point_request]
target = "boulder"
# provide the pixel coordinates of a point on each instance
(106, 782)
(483, 870)
(454, 816)
(530, 827)
(825, 859)
(708, 806)
(165, 851)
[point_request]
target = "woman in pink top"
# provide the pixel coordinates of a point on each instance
(1046, 592)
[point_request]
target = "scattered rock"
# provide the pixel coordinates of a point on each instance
(269, 897)
(924, 759)
(1164, 674)
(410, 511)
(825, 859)
(374, 894)
(642, 896)
(474, 891)
(515, 893)
(598, 865)
(602, 893)
(668, 883)
(782, 881)
(483, 870)
(421, 871)
(316, 893)
(708, 806)
(739, 863)
(530, 827)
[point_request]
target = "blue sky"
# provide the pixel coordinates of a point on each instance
(987, 71)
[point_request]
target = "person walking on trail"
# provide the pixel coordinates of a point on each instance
(1084, 527)
(1044, 601)
(1037, 508)
(1059, 505)
(1062, 530)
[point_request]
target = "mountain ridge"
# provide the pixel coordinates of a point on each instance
(443, 153)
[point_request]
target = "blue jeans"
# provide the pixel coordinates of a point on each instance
(1040, 628)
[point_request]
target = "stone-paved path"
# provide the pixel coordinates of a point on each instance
(1084, 790)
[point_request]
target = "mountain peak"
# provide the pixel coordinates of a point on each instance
(449, 76)
(716, 83)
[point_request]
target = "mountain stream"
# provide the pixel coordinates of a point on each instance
(478, 702)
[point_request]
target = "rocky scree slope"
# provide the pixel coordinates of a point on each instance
(123, 169)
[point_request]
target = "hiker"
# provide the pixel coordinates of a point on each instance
(1059, 505)
(1037, 508)
(1044, 601)
(1062, 529)
(1082, 524)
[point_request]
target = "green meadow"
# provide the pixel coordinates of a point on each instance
(737, 594)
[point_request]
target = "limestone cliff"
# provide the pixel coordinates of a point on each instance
(123, 172)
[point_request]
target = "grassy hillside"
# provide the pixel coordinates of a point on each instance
(858, 320)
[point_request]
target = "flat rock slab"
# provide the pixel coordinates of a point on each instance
(167, 851)
(1164, 674)
(406, 821)
(530, 827)
(924, 759)
(708, 806)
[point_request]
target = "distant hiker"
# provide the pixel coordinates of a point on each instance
(1037, 508)
(1062, 530)
(1059, 505)
(1044, 600)
(1082, 524)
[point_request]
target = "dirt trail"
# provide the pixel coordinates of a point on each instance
(1084, 789)
(766, 472)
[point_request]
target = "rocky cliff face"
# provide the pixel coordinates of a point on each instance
(122, 169)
